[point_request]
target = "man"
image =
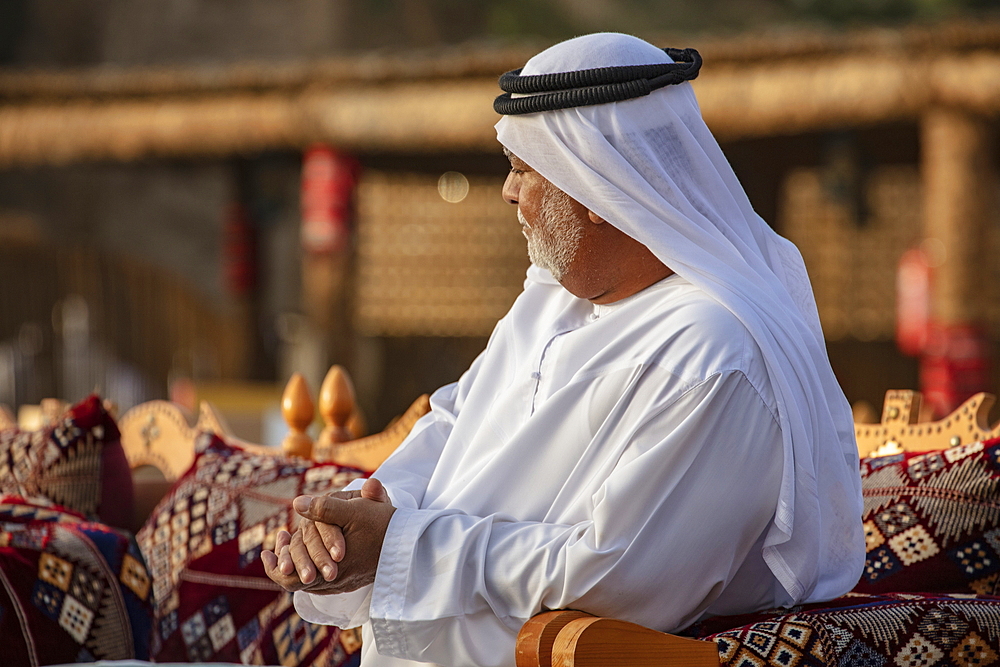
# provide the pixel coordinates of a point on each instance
(653, 431)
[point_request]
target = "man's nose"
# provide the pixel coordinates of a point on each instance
(510, 189)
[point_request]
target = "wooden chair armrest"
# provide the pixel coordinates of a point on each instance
(576, 639)
(535, 640)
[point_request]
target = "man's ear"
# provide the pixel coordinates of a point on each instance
(594, 218)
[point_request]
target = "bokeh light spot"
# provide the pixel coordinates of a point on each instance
(453, 186)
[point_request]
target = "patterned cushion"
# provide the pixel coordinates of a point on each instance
(203, 544)
(900, 629)
(932, 521)
(70, 591)
(76, 463)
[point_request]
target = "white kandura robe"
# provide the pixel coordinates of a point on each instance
(622, 459)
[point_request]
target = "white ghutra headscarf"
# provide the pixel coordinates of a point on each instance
(651, 167)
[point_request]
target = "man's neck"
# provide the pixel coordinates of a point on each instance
(610, 274)
(631, 287)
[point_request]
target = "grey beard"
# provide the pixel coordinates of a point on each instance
(555, 248)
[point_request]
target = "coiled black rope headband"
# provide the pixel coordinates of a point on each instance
(564, 90)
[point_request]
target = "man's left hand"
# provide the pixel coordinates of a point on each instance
(363, 522)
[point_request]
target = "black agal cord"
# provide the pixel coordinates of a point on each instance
(564, 90)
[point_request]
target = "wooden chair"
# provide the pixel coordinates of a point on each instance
(159, 440)
(577, 639)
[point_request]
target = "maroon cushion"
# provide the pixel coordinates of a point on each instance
(117, 505)
(932, 521)
(904, 629)
(78, 463)
(70, 590)
(203, 544)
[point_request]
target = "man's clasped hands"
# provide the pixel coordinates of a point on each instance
(337, 544)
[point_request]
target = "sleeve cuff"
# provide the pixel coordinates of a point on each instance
(389, 602)
(347, 610)
(389, 589)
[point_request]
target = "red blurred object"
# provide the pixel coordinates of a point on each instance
(328, 180)
(239, 251)
(913, 297)
(954, 366)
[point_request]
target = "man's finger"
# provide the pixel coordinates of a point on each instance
(270, 561)
(373, 490)
(324, 509)
(301, 503)
(333, 539)
(285, 564)
(300, 556)
(318, 551)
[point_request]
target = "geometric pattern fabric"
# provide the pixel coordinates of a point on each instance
(62, 463)
(203, 544)
(929, 595)
(70, 590)
(932, 521)
(861, 630)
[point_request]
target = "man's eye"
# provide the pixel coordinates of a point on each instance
(516, 171)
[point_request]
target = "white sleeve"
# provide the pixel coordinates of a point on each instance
(405, 475)
(407, 471)
(668, 529)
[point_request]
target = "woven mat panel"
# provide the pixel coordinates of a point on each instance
(428, 267)
(853, 266)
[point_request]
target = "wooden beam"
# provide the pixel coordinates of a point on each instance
(423, 117)
(742, 102)
(125, 130)
(456, 114)
(968, 81)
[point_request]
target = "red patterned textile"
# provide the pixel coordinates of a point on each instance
(899, 629)
(203, 545)
(70, 590)
(75, 463)
(932, 521)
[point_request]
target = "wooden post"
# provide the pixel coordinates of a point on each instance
(957, 178)
(957, 182)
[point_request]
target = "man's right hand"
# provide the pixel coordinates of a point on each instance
(313, 548)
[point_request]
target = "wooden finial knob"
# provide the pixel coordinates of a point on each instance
(336, 405)
(298, 411)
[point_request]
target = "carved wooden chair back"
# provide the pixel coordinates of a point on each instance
(159, 440)
(900, 429)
